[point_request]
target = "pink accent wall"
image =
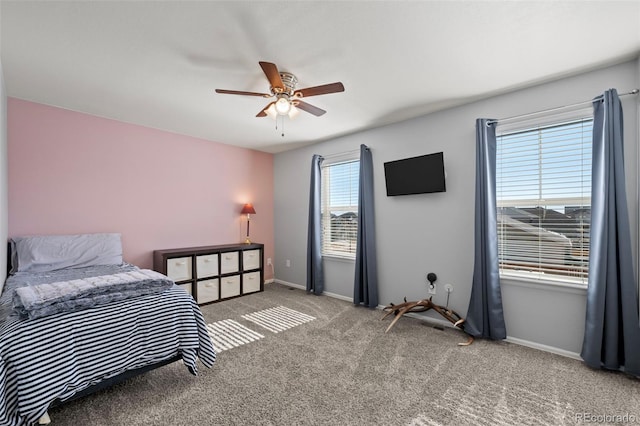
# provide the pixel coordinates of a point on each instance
(76, 173)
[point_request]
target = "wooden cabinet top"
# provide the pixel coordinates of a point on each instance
(208, 249)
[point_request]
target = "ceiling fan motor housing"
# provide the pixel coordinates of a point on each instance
(289, 81)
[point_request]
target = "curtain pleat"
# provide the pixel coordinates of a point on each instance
(315, 275)
(612, 333)
(365, 288)
(485, 316)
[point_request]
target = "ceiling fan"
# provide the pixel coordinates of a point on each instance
(287, 98)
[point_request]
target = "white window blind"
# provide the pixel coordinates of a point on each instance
(543, 189)
(340, 208)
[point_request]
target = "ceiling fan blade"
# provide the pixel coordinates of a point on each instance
(310, 108)
(263, 113)
(238, 92)
(320, 90)
(273, 75)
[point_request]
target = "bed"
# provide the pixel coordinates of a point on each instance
(74, 318)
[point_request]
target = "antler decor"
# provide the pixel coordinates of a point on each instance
(422, 306)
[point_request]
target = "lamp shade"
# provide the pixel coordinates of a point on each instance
(248, 209)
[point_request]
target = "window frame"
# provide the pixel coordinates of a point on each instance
(531, 124)
(348, 255)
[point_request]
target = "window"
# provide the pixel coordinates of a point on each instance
(340, 208)
(543, 189)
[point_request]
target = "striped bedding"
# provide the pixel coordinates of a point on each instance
(54, 357)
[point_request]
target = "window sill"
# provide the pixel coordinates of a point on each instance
(547, 285)
(338, 258)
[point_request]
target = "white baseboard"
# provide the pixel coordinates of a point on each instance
(443, 323)
(270, 281)
(288, 284)
(425, 318)
(324, 293)
(434, 321)
(544, 348)
(338, 296)
(515, 340)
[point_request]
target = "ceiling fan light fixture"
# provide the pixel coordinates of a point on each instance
(283, 106)
(293, 112)
(271, 111)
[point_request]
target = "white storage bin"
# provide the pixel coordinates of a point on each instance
(250, 282)
(250, 259)
(186, 287)
(207, 291)
(230, 286)
(206, 265)
(229, 262)
(179, 268)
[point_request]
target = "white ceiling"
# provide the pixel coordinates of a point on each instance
(157, 63)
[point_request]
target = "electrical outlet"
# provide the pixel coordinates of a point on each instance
(287, 263)
(431, 282)
(448, 288)
(269, 261)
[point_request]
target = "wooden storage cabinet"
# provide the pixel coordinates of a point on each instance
(214, 273)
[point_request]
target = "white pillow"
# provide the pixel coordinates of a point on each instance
(46, 253)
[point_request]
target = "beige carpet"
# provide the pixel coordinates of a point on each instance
(339, 368)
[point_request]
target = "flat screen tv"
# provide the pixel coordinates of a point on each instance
(415, 175)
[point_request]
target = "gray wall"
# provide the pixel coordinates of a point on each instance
(434, 232)
(4, 184)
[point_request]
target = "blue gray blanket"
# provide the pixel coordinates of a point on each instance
(36, 301)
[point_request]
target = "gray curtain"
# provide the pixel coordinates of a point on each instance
(315, 276)
(365, 286)
(484, 316)
(612, 333)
